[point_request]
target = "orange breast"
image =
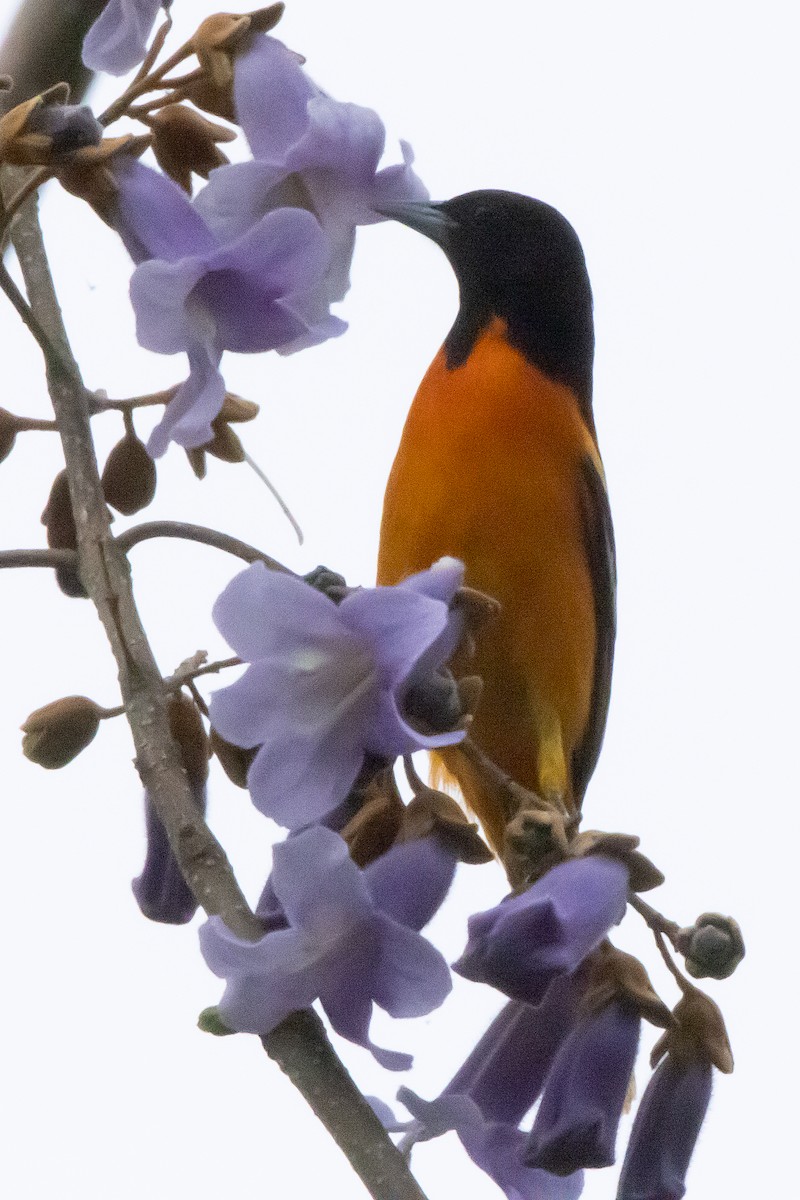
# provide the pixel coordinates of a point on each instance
(488, 470)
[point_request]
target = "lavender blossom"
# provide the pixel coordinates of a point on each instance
(117, 41)
(338, 947)
(326, 682)
(527, 941)
(665, 1131)
(308, 149)
(411, 880)
(504, 1074)
(193, 293)
(576, 1125)
(497, 1148)
(161, 891)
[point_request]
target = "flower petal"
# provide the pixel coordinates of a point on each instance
(188, 416)
(117, 41)
(528, 940)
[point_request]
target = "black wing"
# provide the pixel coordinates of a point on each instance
(599, 543)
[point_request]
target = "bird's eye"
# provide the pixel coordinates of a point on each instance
(483, 214)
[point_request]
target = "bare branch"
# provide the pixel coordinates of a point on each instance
(197, 533)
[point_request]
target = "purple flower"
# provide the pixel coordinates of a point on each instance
(326, 682)
(497, 1148)
(576, 1125)
(504, 1074)
(308, 149)
(118, 39)
(665, 1131)
(527, 941)
(195, 294)
(339, 947)
(411, 880)
(161, 891)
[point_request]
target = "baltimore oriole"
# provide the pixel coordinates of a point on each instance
(499, 466)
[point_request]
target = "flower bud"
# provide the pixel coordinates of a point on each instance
(129, 476)
(713, 946)
(186, 726)
(8, 433)
(59, 522)
(57, 733)
(161, 891)
(184, 142)
(224, 445)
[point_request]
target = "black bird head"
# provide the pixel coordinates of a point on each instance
(518, 259)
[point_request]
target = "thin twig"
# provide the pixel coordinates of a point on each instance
(681, 980)
(182, 676)
(101, 404)
(653, 918)
(197, 533)
(38, 558)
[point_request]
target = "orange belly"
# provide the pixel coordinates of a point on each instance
(488, 470)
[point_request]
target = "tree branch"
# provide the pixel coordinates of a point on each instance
(43, 47)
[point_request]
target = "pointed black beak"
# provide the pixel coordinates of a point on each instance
(428, 219)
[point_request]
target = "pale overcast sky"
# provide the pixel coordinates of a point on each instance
(667, 135)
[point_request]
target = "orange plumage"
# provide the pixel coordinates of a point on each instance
(498, 466)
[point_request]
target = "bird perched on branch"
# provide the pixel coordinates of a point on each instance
(498, 465)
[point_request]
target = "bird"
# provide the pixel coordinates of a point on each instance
(498, 465)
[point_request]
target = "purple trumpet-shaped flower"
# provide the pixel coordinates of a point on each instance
(411, 880)
(494, 1146)
(527, 941)
(326, 683)
(576, 1125)
(505, 1072)
(665, 1131)
(117, 41)
(338, 947)
(161, 891)
(308, 149)
(196, 294)
(494, 1089)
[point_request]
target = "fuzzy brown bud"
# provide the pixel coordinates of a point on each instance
(184, 142)
(8, 433)
(129, 476)
(187, 728)
(57, 733)
(59, 522)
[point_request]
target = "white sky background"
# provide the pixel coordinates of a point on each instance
(667, 135)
